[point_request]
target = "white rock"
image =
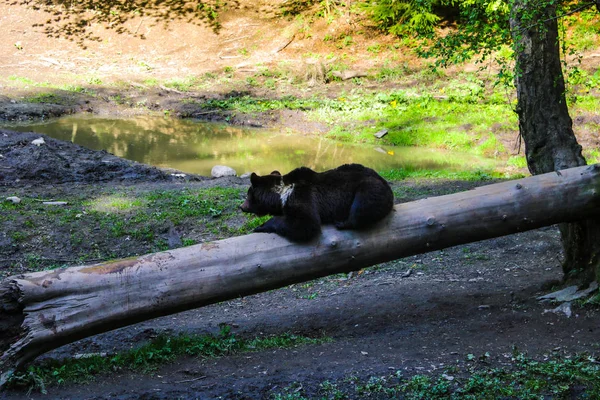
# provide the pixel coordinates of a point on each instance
(564, 308)
(219, 171)
(38, 142)
(14, 199)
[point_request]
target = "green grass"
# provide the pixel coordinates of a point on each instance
(476, 175)
(461, 121)
(182, 85)
(523, 378)
(249, 104)
(161, 350)
(22, 81)
(110, 223)
(44, 98)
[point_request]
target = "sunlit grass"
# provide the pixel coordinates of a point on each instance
(182, 84)
(592, 156)
(23, 81)
(517, 162)
(465, 175)
(114, 203)
(417, 120)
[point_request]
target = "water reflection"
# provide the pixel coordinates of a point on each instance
(195, 147)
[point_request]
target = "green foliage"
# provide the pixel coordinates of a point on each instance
(405, 16)
(482, 29)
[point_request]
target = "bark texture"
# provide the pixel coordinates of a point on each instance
(545, 124)
(44, 310)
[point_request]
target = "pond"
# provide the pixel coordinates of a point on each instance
(195, 147)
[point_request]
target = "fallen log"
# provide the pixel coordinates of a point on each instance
(43, 310)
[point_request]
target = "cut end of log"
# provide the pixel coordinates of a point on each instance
(11, 325)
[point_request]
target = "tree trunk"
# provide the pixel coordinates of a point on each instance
(44, 310)
(545, 124)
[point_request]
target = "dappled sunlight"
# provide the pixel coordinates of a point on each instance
(76, 20)
(115, 204)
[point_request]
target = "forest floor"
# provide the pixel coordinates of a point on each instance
(460, 310)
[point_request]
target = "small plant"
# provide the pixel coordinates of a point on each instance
(270, 84)
(251, 81)
(375, 48)
(94, 81)
(145, 65)
(18, 236)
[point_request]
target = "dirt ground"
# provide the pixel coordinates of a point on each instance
(478, 299)
(474, 299)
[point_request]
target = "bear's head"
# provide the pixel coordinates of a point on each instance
(263, 197)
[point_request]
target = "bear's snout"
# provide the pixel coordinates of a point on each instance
(245, 206)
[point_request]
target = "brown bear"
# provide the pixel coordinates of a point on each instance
(351, 197)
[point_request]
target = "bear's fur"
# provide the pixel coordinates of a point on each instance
(351, 197)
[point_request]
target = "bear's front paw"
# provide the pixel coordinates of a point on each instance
(265, 228)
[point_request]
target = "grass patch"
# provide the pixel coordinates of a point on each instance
(248, 104)
(44, 98)
(475, 175)
(182, 85)
(22, 81)
(123, 222)
(147, 358)
(524, 378)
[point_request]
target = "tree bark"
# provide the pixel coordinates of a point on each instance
(44, 310)
(545, 124)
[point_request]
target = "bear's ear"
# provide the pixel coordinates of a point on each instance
(275, 173)
(254, 179)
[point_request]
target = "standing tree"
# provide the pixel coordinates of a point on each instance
(544, 122)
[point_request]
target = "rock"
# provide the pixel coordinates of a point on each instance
(381, 133)
(14, 199)
(55, 203)
(38, 142)
(246, 175)
(219, 171)
(564, 308)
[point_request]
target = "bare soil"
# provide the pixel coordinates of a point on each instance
(473, 299)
